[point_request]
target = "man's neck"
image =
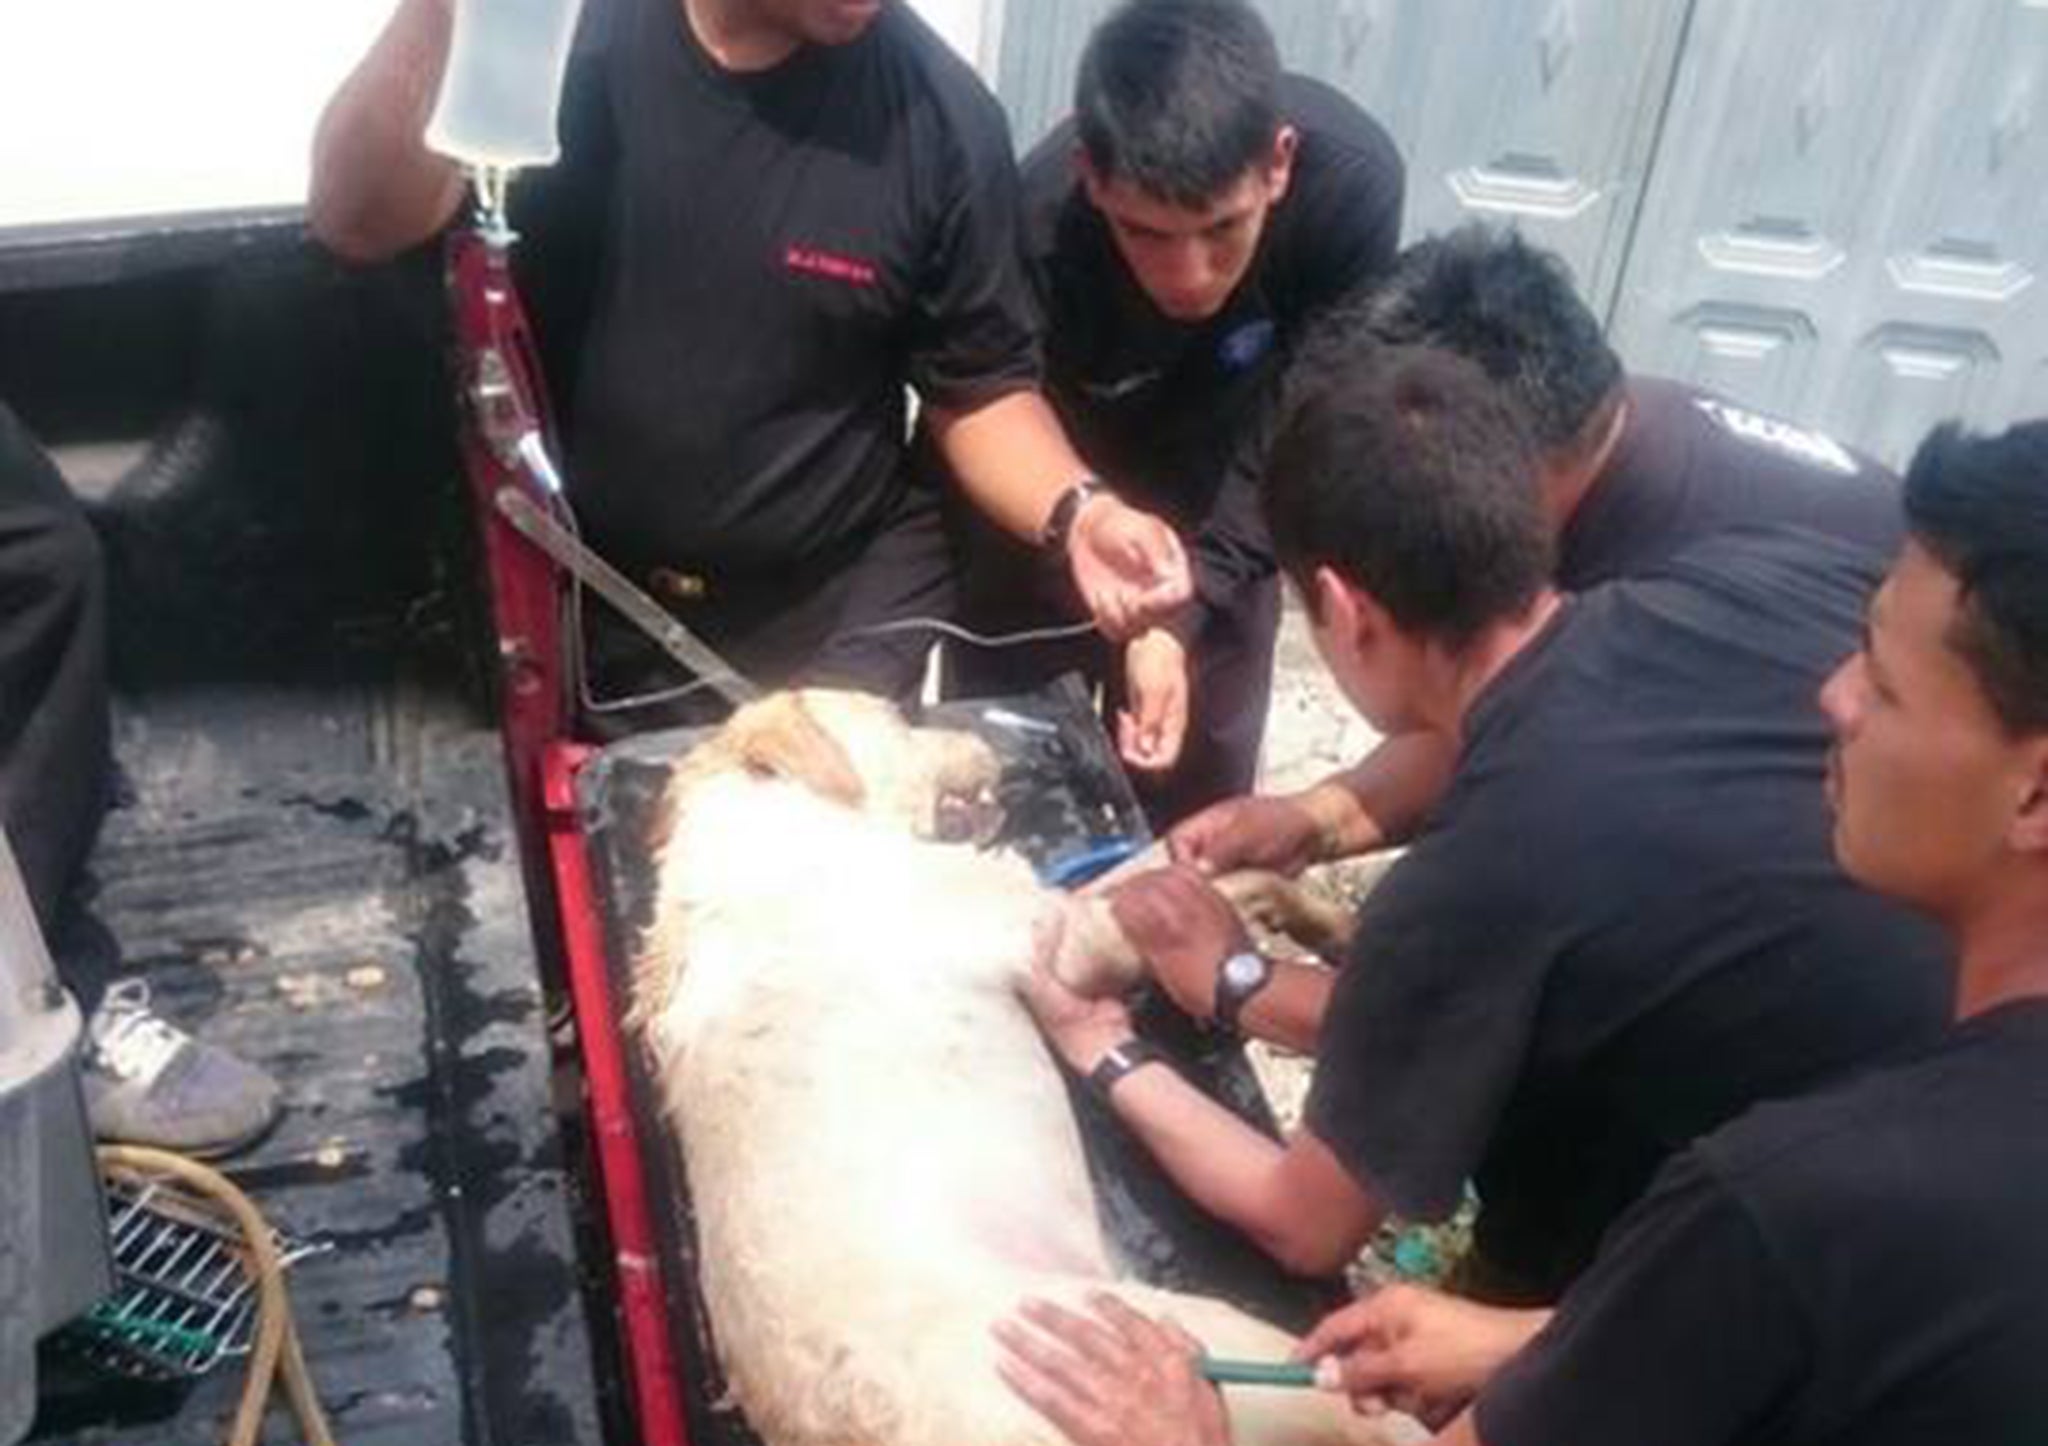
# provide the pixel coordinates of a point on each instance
(734, 35)
(1570, 476)
(2002, 944)
(1463, 677)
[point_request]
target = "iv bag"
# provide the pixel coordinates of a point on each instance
(503, 86)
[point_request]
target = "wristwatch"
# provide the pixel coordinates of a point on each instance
(1122, 1058)
(1059, 523)
(1238, 978)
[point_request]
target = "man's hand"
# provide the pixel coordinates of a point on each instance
(1080, 1030)
(1152, 728)
(1416, 1350)
(1130, 568)
(1257, 831)
(1183, 930)
(1116, 1379)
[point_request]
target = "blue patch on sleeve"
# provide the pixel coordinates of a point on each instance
(1242, 349)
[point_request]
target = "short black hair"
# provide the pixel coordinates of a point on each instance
(1179, 97)
(1413, 477)
(1979, 505)
(1496, 300)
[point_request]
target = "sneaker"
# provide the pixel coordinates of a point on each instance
(148, 1082)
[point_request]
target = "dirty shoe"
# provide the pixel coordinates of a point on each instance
(147, 1082)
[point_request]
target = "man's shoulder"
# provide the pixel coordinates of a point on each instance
(1804, 589)
(1326, 116)
(937, 73)
(1050, 183)
(1912, 1129)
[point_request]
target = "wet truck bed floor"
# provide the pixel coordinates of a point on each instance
(322, 879)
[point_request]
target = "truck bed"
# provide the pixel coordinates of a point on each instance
(321, 878)
(312, 861)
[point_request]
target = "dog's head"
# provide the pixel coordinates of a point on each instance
(858, 750)
(848, 748)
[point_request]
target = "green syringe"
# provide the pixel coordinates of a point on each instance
(1257, 1373)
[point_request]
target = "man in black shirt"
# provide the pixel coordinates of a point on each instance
(1180, 232)
(771, 217)
(1635, 470)
(1622, 928)
(1865, 1264)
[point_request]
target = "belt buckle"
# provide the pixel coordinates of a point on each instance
(673, 584)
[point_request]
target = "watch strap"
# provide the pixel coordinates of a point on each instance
(1121, 1060)
(1231, 995)
(1059, 523)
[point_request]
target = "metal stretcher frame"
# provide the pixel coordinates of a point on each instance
(499, 375)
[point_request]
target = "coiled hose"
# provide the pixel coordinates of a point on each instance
(275, 1353)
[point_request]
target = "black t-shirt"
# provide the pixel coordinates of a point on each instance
(1867, 1267)
(1171, 412)
(744, 271)
(1624, 925)
(1690, 464)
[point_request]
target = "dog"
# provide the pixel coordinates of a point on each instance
(882, 1158)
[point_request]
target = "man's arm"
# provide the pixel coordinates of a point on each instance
(1183, 930)
(1013, 460)
(1417, 1351)
(1295, 1201)
(1289, 1010)
(1379, 802)
(1686, 1331)
(377, 190)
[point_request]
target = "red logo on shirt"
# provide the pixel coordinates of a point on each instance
(814, 262)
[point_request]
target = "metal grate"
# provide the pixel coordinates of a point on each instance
(184, 1298)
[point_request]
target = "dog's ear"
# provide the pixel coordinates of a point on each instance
(780, 738)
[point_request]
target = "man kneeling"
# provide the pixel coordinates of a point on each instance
(1864, 1264)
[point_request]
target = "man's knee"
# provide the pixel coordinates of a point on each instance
(47, 547)
(49, 552)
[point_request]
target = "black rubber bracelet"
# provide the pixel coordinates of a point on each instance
(1122, 1058)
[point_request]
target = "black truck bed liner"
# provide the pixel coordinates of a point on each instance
(321, 878)
(314, 862)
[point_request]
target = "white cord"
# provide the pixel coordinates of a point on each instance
(979, 640)
(538, 463)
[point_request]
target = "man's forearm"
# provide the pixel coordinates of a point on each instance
(1389, 793)
(1011, 457)
(1289, 1010)
(1239, 1175)
(377, 189)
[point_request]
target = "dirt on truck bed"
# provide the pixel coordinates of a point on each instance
(312, 859)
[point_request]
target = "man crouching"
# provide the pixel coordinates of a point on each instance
(1866, 1263)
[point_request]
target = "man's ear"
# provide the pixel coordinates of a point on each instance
(1092, 179)
(1280, 165)
(2029, 831)
(1351, 616)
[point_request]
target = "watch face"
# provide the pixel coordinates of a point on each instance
(1243, 971)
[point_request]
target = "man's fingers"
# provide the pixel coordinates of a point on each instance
(1075, 1417)
(1194, 844)
(1058, 1366)
(1336, 1332)
(1169, 568)
(1140, 743)
(1087, 1338)
(1375, 1372)
(1173, 729)
(1137, 1328)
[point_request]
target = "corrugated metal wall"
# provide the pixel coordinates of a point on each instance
(1836, 209)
